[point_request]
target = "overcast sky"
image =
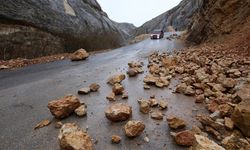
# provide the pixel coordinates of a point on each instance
(136, 11)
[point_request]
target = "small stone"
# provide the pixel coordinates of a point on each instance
(157, 115)
(125, 95)
(153, 102)
(118, 112)
(58, 124)
(111, 96)
(163, 104)
(229, 124)
(118, 89)
(116, 139)
(189, 91)
(2, 67)
(134, 128)
(145, 86)
(229, 83)
(200, 98)
(80, 54)
(42, 124)
(146, 139)
(116, 79)
(81, 111)
(94, 87)
(144, 106)
(184, 138)
(181, 88)
(234, 142)
(84, 90)
(73, 137)
(132, 72)
(63, 107)
(176, 123)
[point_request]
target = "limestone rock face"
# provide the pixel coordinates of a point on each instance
(63, 107)
(63, 26)
(118, 112)
(72, 137)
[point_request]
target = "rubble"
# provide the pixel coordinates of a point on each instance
(73, 137)
(134, 128)
(200, 98)
(42, 124)
(175, 123)
(204, 143)
(184, 138)
(116, 139)
(94, 87)
(116, 79)
(63, 107)
(81, 111)
(234, 142)
(229, 124)
(118, 112)
(80, 54)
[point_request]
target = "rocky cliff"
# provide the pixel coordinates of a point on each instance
(40, 27)
(216, 18)
(180, 17)
(127, 28)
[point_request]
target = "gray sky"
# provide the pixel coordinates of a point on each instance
(136, 11)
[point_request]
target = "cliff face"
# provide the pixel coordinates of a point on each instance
(39, 27)
(180, 17)
(217, 18)
(127, 28)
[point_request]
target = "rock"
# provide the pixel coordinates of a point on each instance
(125, 95)
(145, 86)
(176, 123)
(58, 125)
(134, 128)
(81, 111)
(179, 70)
(132, 72)
(204, 143)
(234, 142)
(111, 96)
(163, 104)
(184, 138)
(241, 117)
(2, 67)
(94, 87)
(214, 133)
(116, 139)
(118, 112)
(74, 138)
(229, 83)
(159, 84)
(42, 124)
(116, 79)
(157, 115)
(189, 91)
(118, 89)
(243, 94)
(200, 98)
(144, 106)
(225, 110)
(63, 107)
(181, 88)
(84, 90)
(215, 115)
(153, 102)
(229, 124)
(80, 54)
(196, 130)
(149, 79)
(146, 139)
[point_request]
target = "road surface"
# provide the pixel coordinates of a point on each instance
(25, 93)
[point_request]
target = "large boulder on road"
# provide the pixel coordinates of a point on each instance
(80, 54)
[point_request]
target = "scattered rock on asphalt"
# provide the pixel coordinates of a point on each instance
(84, 90)
(125, 95)
(181, 88)
(175, 123)
(58, 124)
(74, 138)
(63, 107)
(118, 112)
(94, 87)
(81, 111)
(118, 89)
(111, 96)
(200, 98)
(116, 139)
(153, 102)
(144, 106)
(163, 104)
(132, 72)
(134, 128)
(42, 124)
(116, 79)
(80, 54)
(157, 115)
(146, 139)
(184, 138)
(204, 143)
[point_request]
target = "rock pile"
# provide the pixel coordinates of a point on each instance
(134, 69)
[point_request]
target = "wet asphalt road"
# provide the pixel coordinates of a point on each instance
(25, 93)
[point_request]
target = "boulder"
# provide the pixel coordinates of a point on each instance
(94, 87)
(204, 143)
(63, 107)
(118, 89)
(241, 117)
(144, 106)
(116, 139)
(81, 111)
(134, 128)
(184, 138)
(118, 112)
(80, 54)
(116, 79)
(72, 137)
(175, 123)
